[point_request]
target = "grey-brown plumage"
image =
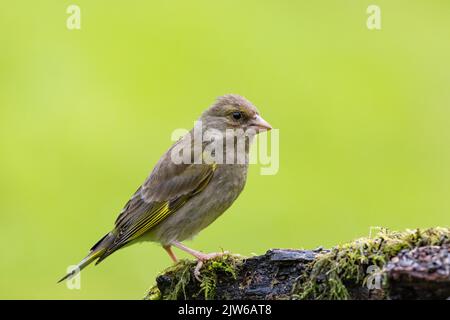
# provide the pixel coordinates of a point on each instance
(178, 200)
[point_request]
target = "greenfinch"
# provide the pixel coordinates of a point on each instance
(178, 200)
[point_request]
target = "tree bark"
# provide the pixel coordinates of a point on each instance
(421, 272)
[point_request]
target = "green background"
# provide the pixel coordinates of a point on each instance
(363, 116)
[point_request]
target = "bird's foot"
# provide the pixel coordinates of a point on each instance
(202, 258)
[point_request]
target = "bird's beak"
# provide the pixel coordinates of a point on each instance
(260, 124)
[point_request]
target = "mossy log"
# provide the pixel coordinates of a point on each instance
(414, 264)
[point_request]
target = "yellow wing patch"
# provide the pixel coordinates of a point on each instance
(156, 213)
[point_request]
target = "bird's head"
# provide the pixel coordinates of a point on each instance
(232, 111)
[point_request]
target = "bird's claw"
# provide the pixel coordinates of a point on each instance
(202, 258)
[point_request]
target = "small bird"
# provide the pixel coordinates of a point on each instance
(178, 200)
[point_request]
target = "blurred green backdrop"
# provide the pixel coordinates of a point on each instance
(363, 115)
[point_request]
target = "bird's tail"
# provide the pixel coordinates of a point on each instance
(96, 252)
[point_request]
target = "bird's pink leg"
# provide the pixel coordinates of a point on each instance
(201, 257)
(170, 253)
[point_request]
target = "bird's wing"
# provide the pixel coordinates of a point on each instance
(166, 190)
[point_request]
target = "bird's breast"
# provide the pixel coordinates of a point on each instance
(200, 211)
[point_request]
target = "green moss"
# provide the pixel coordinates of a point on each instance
(347, 263)
(222, 265)
(182, 273)
(153, 294)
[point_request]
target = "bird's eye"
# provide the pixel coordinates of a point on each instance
(237, 115)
